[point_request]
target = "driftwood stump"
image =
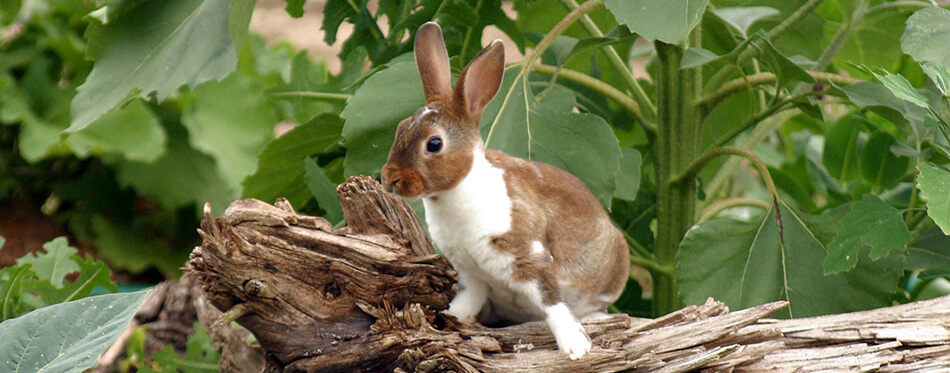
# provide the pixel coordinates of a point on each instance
(368, 297)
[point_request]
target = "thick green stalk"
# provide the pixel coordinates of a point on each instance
(677, 145)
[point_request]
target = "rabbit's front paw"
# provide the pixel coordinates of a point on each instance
(573, 342)
(468, 303)
(568, 332)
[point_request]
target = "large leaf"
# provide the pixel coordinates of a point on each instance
(927, 36)
(842, 147)
(125, 248)
(934, 185)
(230, 120)
(749, 263)
(180, 177)
(66, 337)
(544, 129)
(666, 21)
(373, 112)
(628, 176)
(875, 41)
(280, 167)
(930, 251)
(879, 165)
(184, 42)
(324, 191)
(870, 222)
(741, 18)
(132, 131)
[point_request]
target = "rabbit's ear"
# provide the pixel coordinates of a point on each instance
(432, 59)
(480, 80)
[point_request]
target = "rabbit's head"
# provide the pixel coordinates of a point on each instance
(434, 148)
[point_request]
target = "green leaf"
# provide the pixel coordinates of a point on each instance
(874, 41)
(743, 17)
(939, 75)
(628, 175)
(11, 290)
(92, 274)
(55, 264)
(901, 88)
(239, 21)
(66, 337)
(749, 263)
(280, 167)
(132, 131)
(373, 112)
(544, 129)
(324, 191)
(200, 354)
(126, 249)
(883, 102)
(187, 42)
(666, 21)
(231, 121)
(870, 222)
(927, 36)
(879, 165)
(934, 185)
(295, 7)
(929, 251)
(840, 155)
(788, 72)
(180, 177)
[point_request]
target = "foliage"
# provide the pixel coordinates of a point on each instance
(200, 354)
(56, 276)
(66, 337)
(844, 138)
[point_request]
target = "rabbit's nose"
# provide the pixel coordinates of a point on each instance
(390, 179)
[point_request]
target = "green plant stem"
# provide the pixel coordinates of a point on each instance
(728, 88)
(897, 4)
(836, 43)
(559, 29)
(468, 33)
(675, 147)
(719, 206)
(642, 251)
(768, 111)
(621, 66)
(314, 95)
(599, 86)
(758, 133)
(650, 265)
(689, 176)
(726, 72)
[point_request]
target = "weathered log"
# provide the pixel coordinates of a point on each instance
(368, 297)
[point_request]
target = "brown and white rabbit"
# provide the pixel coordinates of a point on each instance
(528, 240)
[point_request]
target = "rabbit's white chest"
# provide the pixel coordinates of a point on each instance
(463, 220)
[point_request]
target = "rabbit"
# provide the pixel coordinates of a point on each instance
(528, 240)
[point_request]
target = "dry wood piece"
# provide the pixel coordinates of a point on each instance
(367, 297)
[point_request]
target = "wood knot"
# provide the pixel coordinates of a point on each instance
(256, 288)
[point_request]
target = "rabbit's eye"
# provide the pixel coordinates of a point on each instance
(434, 145)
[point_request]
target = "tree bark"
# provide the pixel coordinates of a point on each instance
(367, 297)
